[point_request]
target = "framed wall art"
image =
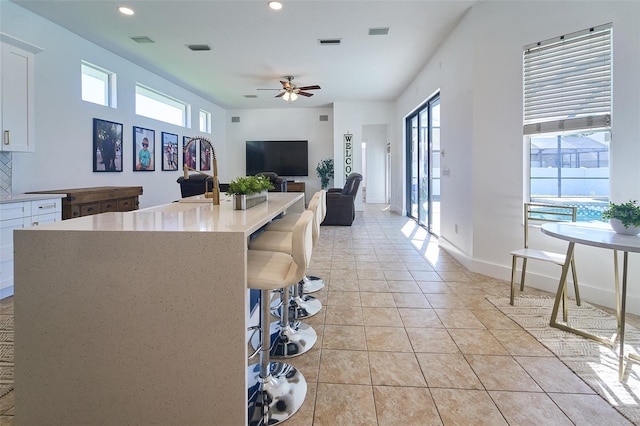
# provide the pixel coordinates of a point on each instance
(169, 151)
(189, 157)
(144, 142)
(107, 146)
(205, 156)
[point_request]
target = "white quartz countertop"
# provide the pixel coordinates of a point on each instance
(194, 215)
(18, 198)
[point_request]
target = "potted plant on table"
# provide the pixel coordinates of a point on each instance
(324, 170)
(624, 218)
(249, 191)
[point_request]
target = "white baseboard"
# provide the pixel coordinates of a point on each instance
(588, 292)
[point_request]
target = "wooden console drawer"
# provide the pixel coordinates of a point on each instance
(127, 204)
(89, 209)
(109, 206)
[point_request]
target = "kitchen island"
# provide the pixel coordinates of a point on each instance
(137, 317)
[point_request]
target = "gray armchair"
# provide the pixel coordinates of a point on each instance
(196, 184)
(341, 208)
(279, 183)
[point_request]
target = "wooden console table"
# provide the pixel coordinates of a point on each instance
(295, 186)
(100, 199)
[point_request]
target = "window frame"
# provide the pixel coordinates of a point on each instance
(568, 80)
(164, 100)
(204, 120)
(108, 78)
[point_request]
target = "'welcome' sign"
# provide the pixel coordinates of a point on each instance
(348, 155)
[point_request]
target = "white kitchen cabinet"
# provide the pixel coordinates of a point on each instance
(17, 110)
(18, 215)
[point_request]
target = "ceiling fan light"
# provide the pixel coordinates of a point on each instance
(293, 96)
(275, 5)
(286, 96)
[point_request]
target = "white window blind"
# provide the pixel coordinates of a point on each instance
(567, 82)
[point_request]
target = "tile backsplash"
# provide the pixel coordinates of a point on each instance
(5, 173)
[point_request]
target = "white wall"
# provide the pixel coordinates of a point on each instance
(375, 137)
(351, 117)
(479, 72)
(64, 123)
(279, 124)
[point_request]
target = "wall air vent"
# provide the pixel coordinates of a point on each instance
(324, 118)
(329, 41)
(235, 119)
(142, 39)
(379, 31)
(199, 47)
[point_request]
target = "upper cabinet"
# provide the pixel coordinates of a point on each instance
(17, 107)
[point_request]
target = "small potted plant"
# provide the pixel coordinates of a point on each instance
(324, 170)
(248, 191)
(624, 218)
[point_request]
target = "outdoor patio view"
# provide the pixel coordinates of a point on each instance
(572, 169)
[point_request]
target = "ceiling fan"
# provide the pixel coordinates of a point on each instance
(290, 91)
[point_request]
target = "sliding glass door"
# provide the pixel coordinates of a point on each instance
(423, 168)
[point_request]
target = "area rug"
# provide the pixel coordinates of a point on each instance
(595, 363)
(6, 354)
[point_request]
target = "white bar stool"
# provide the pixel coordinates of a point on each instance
(276, 390)
(310, 284)
(300, 305)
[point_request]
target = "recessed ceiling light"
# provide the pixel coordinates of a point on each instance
(125, 10)
(275, 5)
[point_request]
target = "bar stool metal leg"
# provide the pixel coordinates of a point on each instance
(302, 305)
(276, 390)
(290, 338)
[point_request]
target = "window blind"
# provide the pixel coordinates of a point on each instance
(567, 82)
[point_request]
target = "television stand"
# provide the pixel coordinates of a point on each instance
(293, 186)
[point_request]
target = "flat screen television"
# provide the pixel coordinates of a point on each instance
(286, 158)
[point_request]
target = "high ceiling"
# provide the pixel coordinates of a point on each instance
(254, 47)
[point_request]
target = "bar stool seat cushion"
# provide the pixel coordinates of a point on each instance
(268, 270)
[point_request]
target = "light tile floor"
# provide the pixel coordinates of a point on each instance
(406, 337)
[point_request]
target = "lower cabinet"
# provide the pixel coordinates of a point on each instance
(18, 215)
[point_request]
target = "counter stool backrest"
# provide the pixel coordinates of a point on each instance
(314, 207)
(302, 243)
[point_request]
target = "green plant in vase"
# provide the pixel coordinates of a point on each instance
(624, 218)
(246, 185)
(324, 170)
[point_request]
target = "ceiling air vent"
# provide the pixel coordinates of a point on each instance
(142, 39)
(235, 119)
(199, 47)
(379, 31)
(329, 41)
(250, 96)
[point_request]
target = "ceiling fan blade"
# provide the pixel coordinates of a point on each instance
(281, 94)
(316, 87)
(268, 89)
(305, 94)
(285, 84)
